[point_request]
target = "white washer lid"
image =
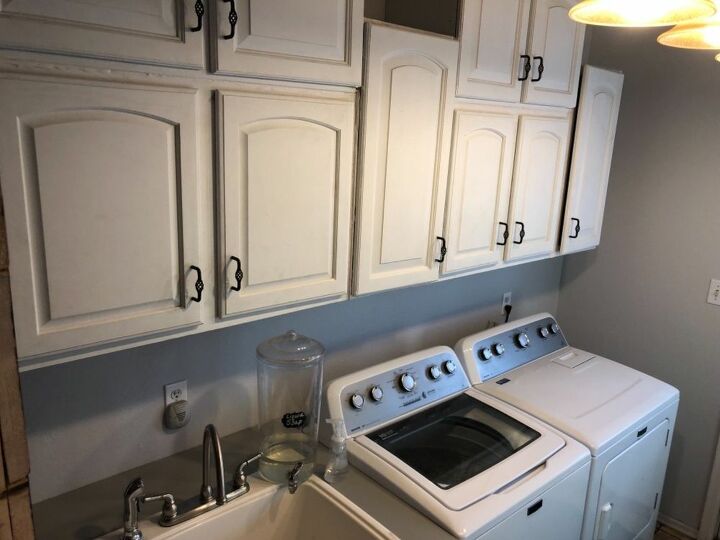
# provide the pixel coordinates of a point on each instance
(592, 399)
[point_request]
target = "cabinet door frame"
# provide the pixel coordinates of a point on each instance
(503, 122)
(229, 57)
(44, 34)
(395, 44)
(596, 82)
(322, 109)
(472, 85)
(37, 334)
(535, 92)
(558, 126)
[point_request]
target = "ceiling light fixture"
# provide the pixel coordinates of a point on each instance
(701, 34)
(640, 13)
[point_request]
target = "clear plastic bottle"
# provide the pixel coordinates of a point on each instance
(338, 463)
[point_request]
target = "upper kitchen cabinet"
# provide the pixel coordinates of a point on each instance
(501, 60)
(591, 158)
(287, 166)
(158, 32)
(538, 185)
(555, 49)
(407, 115)
(99, 185)
(481, 169)
(313, 40)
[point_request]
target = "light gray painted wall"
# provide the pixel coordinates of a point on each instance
(96, 417)
(640, 298)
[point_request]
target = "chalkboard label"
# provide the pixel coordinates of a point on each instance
(294, 419)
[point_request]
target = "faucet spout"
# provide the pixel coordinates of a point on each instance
(206, 491)
(293, 478)
(132, 495)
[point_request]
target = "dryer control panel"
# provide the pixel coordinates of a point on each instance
(496, 351)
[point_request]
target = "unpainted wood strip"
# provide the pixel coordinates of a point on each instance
(21, 514)
(5, 525)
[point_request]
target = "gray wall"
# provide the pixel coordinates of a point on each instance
(640, 298)
(96, 417)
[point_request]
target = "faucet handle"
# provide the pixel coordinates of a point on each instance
(169, 509)
(240, 478)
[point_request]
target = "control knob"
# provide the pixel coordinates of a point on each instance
(357, 401)
(486, 354)
(376, 393)
(434, 372)
(407, 382)
(499, 349)
(522, 340)
(554, 328)
(449, 367)
(544, 332)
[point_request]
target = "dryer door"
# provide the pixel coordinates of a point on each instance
(631, 486)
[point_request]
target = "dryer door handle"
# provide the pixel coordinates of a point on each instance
(605, 521)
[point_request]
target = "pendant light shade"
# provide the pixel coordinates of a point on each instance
(701, 34)
(640, 13)
(717, 58)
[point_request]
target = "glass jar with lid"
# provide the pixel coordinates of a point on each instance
(290, 369)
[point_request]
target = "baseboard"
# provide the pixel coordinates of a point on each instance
(679, 526)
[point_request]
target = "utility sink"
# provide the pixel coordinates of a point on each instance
(316, 511)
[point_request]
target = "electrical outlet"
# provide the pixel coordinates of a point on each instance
(176, 392)
(506, 301)
(714, 294)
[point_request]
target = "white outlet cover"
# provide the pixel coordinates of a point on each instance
(176, 391)
(506, 299)
(714, 294)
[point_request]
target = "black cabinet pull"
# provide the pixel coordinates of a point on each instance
(199, 11)
(199, 285)
(527, 67)
(443, 250)
(238, 273)
(522, 232)
(576, 228)
(505, 234)
(541, 68)
(534, 508)
(232, 19)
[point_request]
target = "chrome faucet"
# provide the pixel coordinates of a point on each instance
(206, 491)
(131, 498)
(293, 478)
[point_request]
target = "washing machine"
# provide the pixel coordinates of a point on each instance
(626, 418)
(477, 466)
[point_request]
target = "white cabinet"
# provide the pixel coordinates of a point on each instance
(538, 185)
(99, 182)
(493, 38)
(407, 119)
(555, 47)
(501, 60)
(591, 158)
(312, 40)
(161, 32)
(481, 168)
(285, 193)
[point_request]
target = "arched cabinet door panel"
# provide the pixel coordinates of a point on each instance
(99, 186)
(285, 194)
(404, 154)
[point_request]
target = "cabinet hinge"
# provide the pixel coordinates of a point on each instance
(667, 437)
(656, 499)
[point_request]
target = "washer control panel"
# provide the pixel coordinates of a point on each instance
(507, 347)
(389, 390)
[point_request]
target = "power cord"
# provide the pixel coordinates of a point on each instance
(508, 309)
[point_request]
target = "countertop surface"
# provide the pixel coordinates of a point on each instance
(96, 509)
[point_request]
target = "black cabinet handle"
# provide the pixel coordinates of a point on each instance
(232, 18)
(238, 273)
(443, 250)
(199, 11)
(541, 68)
(199, 285)
(576, 228)
(522, 232)
(534, 507)
(527, 67)
(505, 234)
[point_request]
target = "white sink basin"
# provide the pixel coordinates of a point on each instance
(315, 512)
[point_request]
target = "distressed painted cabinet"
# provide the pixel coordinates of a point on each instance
(159, 32)
(481, 170)
(592, 155)
(311, 40)
(285, 193)
(407, 116)
(100, 191)
(520, 51)
(538, 185)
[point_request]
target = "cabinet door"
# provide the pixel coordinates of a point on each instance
(481, 166)
(286, 181)
(556, 44)
(312, 40)
(100, 196)
(591, 158)
(145, 31)
(405, 149)
(493, 37)
(538, 186)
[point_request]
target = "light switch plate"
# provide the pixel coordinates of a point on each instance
(714, 294)
(176, 392)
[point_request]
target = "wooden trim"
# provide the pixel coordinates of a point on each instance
(5, 525)
(21, 514)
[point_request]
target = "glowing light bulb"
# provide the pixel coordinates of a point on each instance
(641, 13)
